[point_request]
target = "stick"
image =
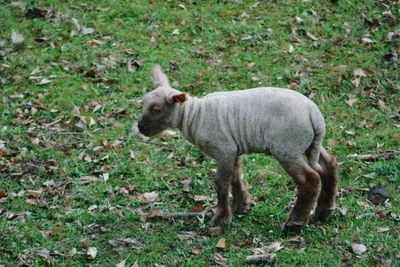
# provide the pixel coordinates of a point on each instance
(62, 145)
(142, 141)
(259, 259)
(371, 157)
(177, 215)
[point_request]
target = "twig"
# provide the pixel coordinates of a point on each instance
(142, 141)
(62, 145)
(371, 157)
(62, 133)
(259, 259)
(177, 215)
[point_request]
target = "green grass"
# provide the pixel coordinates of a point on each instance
(212, 53)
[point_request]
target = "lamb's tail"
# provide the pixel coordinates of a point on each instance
(315, 148)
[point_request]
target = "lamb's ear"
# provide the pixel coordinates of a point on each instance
(176, 98)
(159, 77)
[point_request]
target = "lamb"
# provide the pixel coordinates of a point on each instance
(225, 125)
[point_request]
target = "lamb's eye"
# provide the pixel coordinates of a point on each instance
(156, 110)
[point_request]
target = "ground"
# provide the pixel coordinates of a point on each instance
(73, 177)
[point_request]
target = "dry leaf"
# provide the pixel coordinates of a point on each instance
(44, 81)
(381, 105)
(31, 201)
(197, 250)
(221, 243)
(16, 37)
(311, 36)
(148, 197)
(84, 242)
(91, 253)
(34, 193)
(352, 101)
(358, 248)
(367, 40)
(360, 73)
(291, 49)
(121, 264)
(220, 260)
(88, 179)
(87, 30)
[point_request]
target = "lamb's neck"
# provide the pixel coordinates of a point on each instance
(189, 118)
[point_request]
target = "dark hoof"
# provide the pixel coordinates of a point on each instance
(322, 215)
(222, 219)
(289, 228)
(241, 207)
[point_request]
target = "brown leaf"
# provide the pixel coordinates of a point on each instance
(381, 105)
(31, 201)
(352, 101)
(35, 193)
(197, 250)
(84, 242)
(221, 243)
(197, 208)
(148, 197)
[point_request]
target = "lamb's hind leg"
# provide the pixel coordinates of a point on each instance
(329, 180)
(307, 181)
(241, 197)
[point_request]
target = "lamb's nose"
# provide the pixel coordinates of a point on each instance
(142, 127)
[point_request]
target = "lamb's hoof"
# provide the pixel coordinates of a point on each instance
(241, 207)
(292, 228)
(222, 218)
(322, 214)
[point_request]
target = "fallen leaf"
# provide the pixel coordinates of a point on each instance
(291, 49)
(44, 81)
(31, 201)
(123, 242)
(88, 179)
(16, 37)
(34, 193)
(84, 242)
(221, 243)
(358, 248)
(121, 264)
(360, 73)
(215, 230)
(352, 101)
(220, 260)
(311, 36)
(43, 253)
(197, 250)
(91, 253)
(148, 197)
(381, 105)
(367, 40)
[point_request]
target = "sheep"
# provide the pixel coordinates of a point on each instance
(225, 125)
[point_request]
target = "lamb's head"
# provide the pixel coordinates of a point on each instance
(160, 105)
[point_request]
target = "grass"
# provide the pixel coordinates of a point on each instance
(217, 41)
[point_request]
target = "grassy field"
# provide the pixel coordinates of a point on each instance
(72, 176)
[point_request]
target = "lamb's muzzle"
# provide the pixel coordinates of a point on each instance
(274, 121)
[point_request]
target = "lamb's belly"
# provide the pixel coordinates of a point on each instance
(255, 146)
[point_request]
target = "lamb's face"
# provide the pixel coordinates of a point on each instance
(156, 116)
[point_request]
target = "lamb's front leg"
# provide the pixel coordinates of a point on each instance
(223, 177)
